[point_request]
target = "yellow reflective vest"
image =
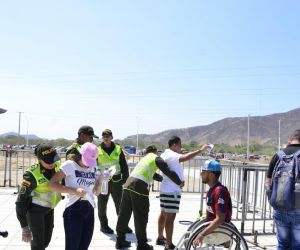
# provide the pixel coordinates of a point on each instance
(145, 169)
(42, 195)
(106, 161)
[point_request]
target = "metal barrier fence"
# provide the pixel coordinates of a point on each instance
(245, 183)
(13, 164)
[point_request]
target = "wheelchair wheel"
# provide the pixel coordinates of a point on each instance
(192, 227)
(196, 224)
(225, 236)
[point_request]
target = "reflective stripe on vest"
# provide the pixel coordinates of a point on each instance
(145, 169)
(107, 161)
(42, 195)
(42, 203)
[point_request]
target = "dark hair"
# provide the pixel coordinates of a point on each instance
(151, 149)
(174, 140)
(295, 135)
(75, 157)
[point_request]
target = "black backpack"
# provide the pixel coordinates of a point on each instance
(285, 175)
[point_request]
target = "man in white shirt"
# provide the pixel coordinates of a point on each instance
(170, 193)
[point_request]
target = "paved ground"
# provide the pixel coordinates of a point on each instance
(188, 211)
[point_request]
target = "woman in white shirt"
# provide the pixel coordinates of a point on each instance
(81, 185)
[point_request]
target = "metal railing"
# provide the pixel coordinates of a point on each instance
(245, 183)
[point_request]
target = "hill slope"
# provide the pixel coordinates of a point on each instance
(234, 130)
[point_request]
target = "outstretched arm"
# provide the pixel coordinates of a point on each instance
(191, 155)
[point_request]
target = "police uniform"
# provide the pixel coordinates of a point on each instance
(136, 199)
(73, 150)
(108, 157)
(35, 203)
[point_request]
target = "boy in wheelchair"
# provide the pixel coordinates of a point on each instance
(218, 203)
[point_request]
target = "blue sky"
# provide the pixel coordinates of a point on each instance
(145, 66)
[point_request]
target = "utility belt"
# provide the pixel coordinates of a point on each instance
(116, 178)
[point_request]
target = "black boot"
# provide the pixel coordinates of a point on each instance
(120, 244)
(144, 247)
(106, 230)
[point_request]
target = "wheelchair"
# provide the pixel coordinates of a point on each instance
(226, 236)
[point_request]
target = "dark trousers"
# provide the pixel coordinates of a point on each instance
(79, 225)
(115, 189)
(139, 205)
(41, 223)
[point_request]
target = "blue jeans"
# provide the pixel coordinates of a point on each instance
(79, 225)
(287, 229)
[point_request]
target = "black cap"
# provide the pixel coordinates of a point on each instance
(151, 149)
(87, 130)
(47, 153)
(106, 132)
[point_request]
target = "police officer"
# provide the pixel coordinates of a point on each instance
(136, 197)
(111, 154)
(35, 203)
(85, 134)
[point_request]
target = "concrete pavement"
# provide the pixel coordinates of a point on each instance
(188, 212)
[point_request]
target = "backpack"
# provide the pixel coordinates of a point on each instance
(284, 177)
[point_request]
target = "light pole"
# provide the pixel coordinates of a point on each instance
(19, 130)
(27, 128)
(248, 137)
(137, 134)
(279, 128)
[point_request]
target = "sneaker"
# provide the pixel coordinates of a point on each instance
(120, 244)
(161, 242)
(144, 247)
(129, 230)
(106, 230)
(170, 247)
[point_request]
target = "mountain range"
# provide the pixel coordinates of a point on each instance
(30, 136)
(264, 130)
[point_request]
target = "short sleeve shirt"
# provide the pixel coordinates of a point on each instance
(172, 159)
(78, 177)
(218, 200)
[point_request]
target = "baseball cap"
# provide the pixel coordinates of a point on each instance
(89, 154)
(212, 166)
(47, 153)
(107, 132)
(87, 130)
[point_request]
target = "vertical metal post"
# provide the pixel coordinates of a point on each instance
(19, 129)
(248, 137)
(279, 132)
(5, 168)
(255, 199)
(244, 202)
(201, 200)
(137, 134)
(9, 169)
